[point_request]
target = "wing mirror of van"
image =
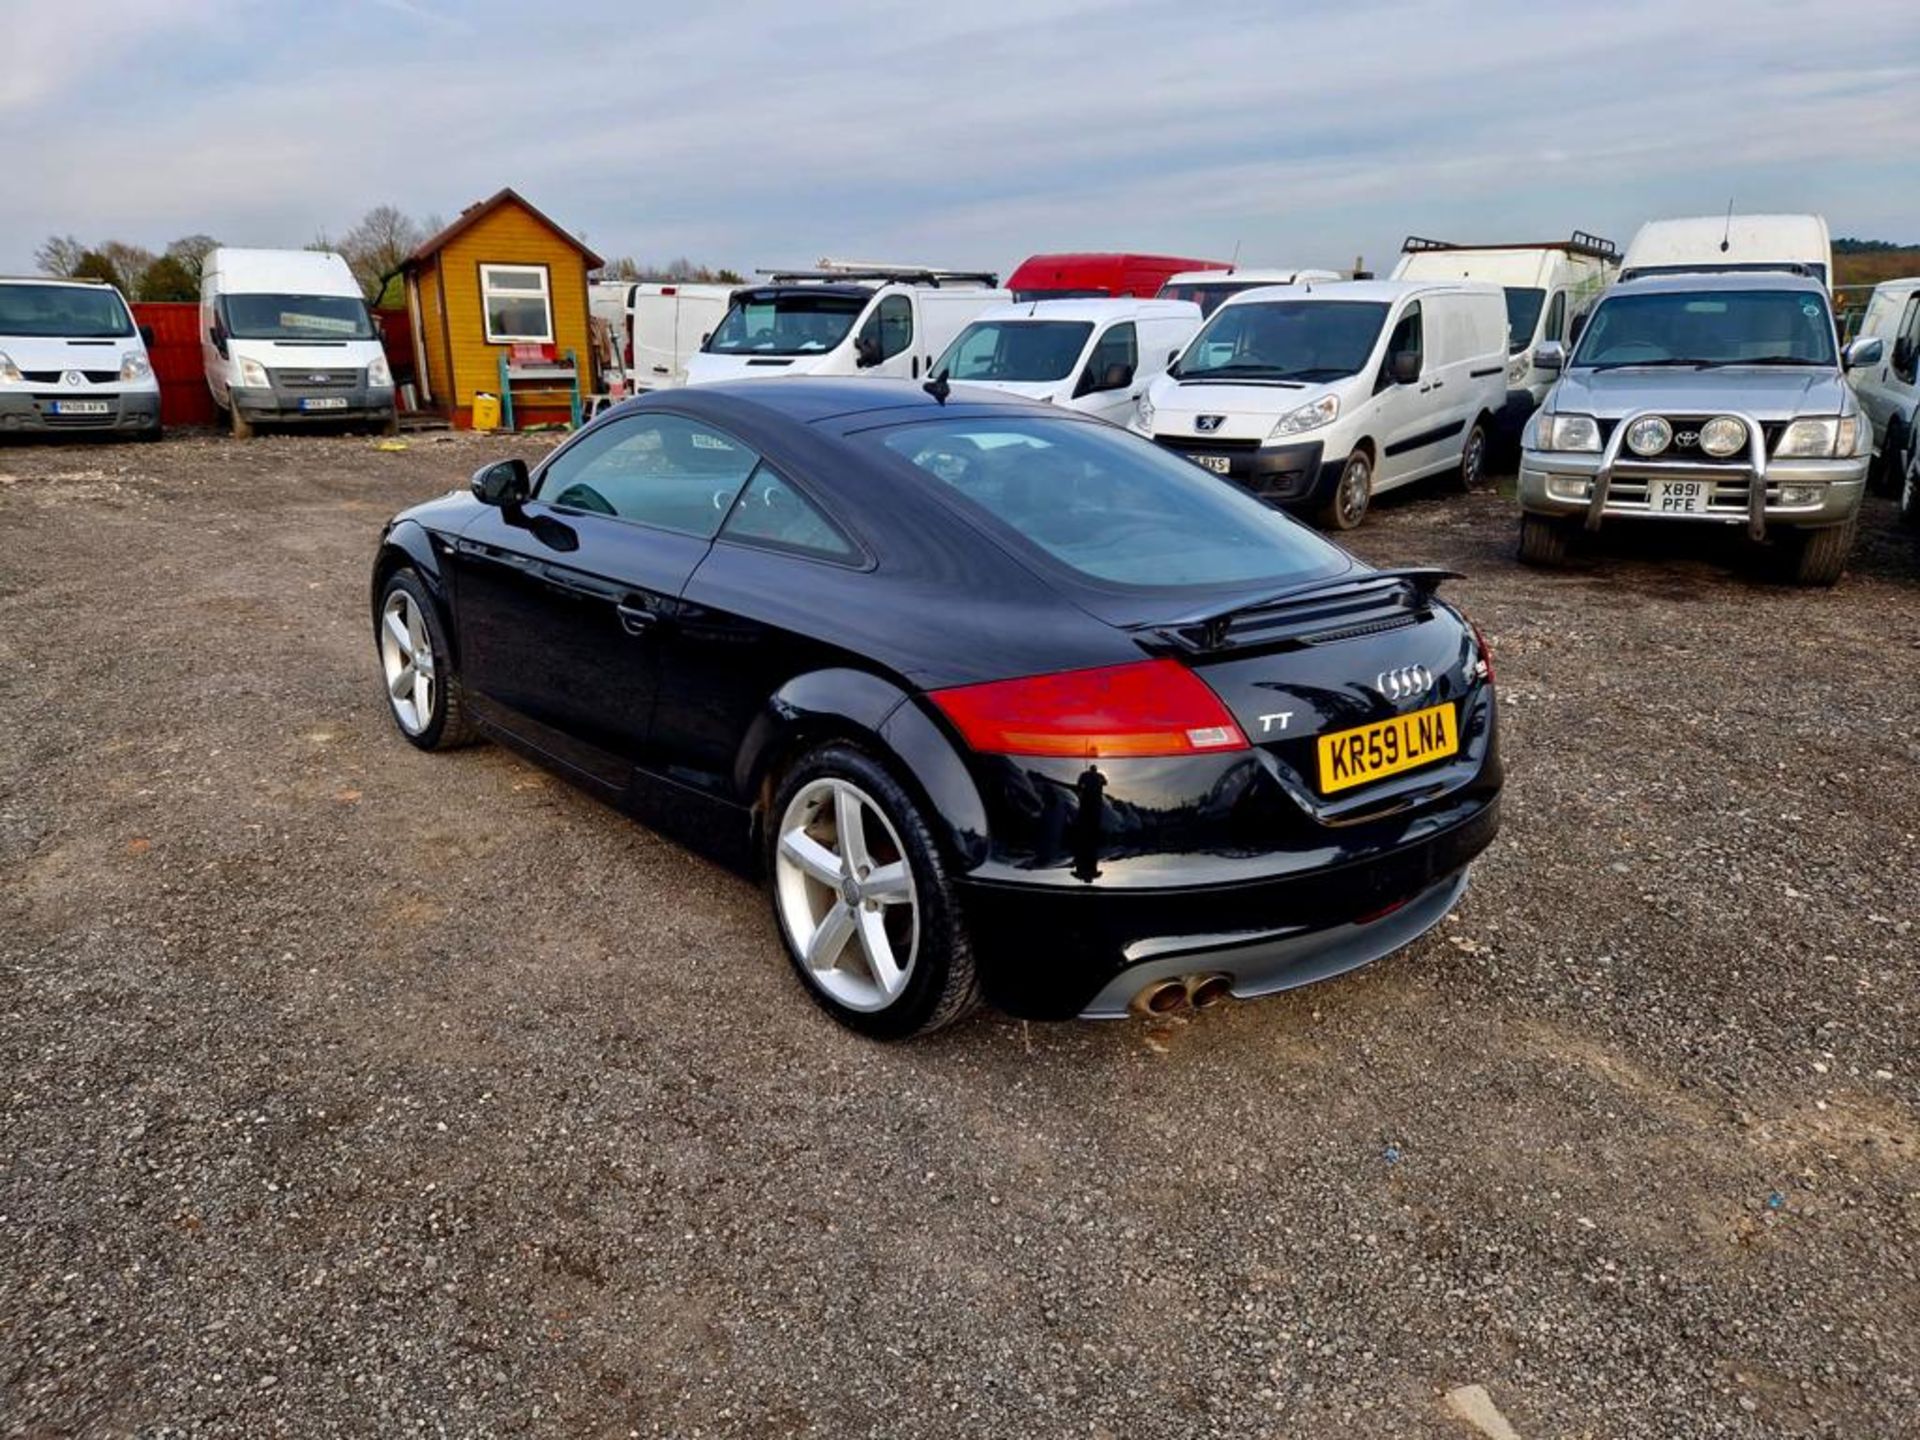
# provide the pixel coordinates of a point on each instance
(866, 352)
(1404, 367)
(146, 336)
(1575, 326)
(505, 483)
(219, 339)
(1549, 355)
(1863, 351)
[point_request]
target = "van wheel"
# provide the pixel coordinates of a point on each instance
(1544, 542)
(242, 427)
(1346, 507)
(1817, 557)
(1473, 458)
(1910, 492)
(389, 424)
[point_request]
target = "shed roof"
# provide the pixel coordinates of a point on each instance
(474, 214)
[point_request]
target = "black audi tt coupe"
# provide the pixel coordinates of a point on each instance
(1002, 701)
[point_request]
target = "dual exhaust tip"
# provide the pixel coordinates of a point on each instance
(1185, 992)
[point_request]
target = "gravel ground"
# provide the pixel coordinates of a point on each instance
(346, 1090)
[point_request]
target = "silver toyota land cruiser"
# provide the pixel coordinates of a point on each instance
(1704, 398)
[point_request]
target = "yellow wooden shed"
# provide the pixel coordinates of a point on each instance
(500, 280)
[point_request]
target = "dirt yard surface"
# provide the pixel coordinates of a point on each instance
(347, 1090)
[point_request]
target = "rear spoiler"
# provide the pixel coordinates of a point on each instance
(1311, 614)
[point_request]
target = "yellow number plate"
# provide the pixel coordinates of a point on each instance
(1373, 752)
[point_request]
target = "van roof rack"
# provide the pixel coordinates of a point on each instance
(1707, 267)
(905, 274)
(1579, 243)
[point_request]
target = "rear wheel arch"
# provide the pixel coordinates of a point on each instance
(881, 719)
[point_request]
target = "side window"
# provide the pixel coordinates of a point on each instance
(1556, 326)
(889, 330)
(659, 470)
(772, 513)
(1407, 336)
(1906, 348)
(1115, 358)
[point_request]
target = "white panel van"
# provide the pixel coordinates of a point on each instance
(287, 339)
(1549, 288)
(1316, 396)
(1889, 389)
(667, 323)
(1709, 243)
(1094, 356)
(1207, 288)
(71, 358)
(884, 323)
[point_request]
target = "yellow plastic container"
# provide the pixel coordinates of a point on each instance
(486, 411)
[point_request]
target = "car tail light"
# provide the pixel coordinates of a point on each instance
(1151, 707)
(1485, 667)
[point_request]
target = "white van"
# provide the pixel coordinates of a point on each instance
(886, 323)
(71, 358)
(667, 323)
(1889, 390)
(1548, 288)
(1317, 396)
(288, 339)
(1207, 288)
(1094, 356)
(1732, 243)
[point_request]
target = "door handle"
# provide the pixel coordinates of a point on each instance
(1438, 383)
(634, 620)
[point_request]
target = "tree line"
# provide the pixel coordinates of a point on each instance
(374, 250)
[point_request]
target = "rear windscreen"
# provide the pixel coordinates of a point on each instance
(1109, 506)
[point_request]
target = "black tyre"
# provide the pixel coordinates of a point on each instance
(1889, 467)
(861, 895)
(1544, 542)
(1910, 492)
(1473, 457)
(1344, 506)
(416, 666)
(1817, 557)
(388, 424)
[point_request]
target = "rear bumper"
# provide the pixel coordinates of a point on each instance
(1046, 952)
(128, 411)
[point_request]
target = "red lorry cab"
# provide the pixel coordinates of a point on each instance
(1095, 276)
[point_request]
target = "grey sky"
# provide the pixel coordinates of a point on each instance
(968, 134)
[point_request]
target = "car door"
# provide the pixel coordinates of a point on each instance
(561, 604)
(1875, 385)
(1403, 412)
(1109, 379)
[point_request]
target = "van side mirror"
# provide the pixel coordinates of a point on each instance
(1578, 324)
(1173, 357)
(219, 339)
(1864, 351)
(1549, 355)
(866, 351)
(505, 483)
(1404, 367)
(146, 336)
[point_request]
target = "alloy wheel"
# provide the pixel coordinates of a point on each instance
(1356, 481)
(845, 895)
(1475, 459)
(406, 655)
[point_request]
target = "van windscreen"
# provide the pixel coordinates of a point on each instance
(1306, 340)
(1015, 350)
(77, 312)
(1523, 313)
(297, 317)
(788, 322)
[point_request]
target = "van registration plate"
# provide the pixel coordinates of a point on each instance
(1218, 464)
(1386, 747)
(81, 407)
(330, 402)
(1679, 497)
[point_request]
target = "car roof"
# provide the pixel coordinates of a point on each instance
(1377, 291)
(1120, 307)
(1670, 282)
(809, 400)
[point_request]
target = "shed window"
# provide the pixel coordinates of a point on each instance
(517, 303)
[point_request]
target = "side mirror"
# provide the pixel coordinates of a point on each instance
(1578, 324)
(219, 339)
(1865, 351)
(1173, 357)
(704, 338)
(146, 336)
(1549, 355)
(1404, 366)
(505, 483)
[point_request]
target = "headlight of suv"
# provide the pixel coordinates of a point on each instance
(9, 372)
(378, 373)
(1143, 413)
(1569, 432)
(1310, 416)
(134, 366)
(253, 374)
(1819, 439)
